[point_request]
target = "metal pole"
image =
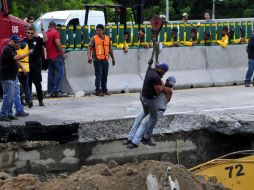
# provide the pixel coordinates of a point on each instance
(167, 10)
(213, 16)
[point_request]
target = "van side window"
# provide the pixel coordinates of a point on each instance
(74, 22)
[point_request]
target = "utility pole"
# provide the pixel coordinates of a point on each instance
(167, 10)
(213, 14)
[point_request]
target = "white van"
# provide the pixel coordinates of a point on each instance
(69, 17)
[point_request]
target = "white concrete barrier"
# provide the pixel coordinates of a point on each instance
(197, 66)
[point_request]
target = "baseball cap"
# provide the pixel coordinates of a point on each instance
(171, 80)
(162, 66)
(185, 14)
(15, 38)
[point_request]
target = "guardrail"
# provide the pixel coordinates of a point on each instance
(77, 37)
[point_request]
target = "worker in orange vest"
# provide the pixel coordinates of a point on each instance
(98, 51)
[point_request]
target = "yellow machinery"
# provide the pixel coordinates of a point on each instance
(235, 170)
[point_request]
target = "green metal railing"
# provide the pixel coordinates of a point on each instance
(76, 38)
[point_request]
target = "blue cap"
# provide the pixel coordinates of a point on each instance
(162, 66)
(171, 80)
(23, 44)
(15, 38)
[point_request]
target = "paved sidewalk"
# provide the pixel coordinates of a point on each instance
(60, 111)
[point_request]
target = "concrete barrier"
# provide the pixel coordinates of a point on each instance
(197, 66)
(227, 66)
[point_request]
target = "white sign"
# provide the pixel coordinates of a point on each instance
(15, 29)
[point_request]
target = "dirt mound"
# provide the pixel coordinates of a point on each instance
(131, 176)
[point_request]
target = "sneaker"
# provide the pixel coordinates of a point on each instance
(41, 103)
(12, 117)
(149, 142)
(21, 114)
(57, 94)
(247, 84)
(4, 118)
(126, 142)
(131, 146)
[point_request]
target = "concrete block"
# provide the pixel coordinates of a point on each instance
(228, 76)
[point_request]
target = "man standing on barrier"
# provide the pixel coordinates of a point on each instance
(99, 50)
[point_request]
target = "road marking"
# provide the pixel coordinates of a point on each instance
(207, 110)
(230, 108)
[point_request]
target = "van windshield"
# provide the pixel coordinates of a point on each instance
(45, 23)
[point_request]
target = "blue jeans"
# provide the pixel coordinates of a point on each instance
(149, 107)
(249, 71)
(135, 127)
(16, 97)
(137, 132)
(55, 74)
(101, 75)
(8, 93)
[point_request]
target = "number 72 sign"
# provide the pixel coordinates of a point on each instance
(236, 170)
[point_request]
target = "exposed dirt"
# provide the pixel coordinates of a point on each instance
(131, 176)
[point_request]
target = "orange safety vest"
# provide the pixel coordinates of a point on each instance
(102, 47)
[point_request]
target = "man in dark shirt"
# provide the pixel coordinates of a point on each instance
(152, 87)
(250, 50)
(35, 61)
(8, 74)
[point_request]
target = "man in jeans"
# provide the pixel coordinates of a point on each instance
(152, 87)
(250, 50)
(99, 50)
(8, 75)
(137, 132)
(55, 55)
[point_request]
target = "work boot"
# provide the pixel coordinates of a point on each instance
(131, 146)
(148, 142)
(126, 142)
(12, 117)
(41, 103)
(107, 93)
(29, 103)
(5, 118)
(99, 94)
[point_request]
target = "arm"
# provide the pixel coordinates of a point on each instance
(251, 42)
(89, 54)
(112, 55)
(44, 35)
(19, 57)
(59, 46)
(168, 93)
(20, 66)
(158, 88)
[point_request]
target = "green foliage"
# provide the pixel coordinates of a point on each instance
(195, 8)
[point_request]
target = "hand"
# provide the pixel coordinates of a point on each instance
(90, 59)
(65, 56)
(23, 70)
(125, 49)
(113, 61)
(30, 51)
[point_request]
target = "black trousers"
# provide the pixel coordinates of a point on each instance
(36, 78)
